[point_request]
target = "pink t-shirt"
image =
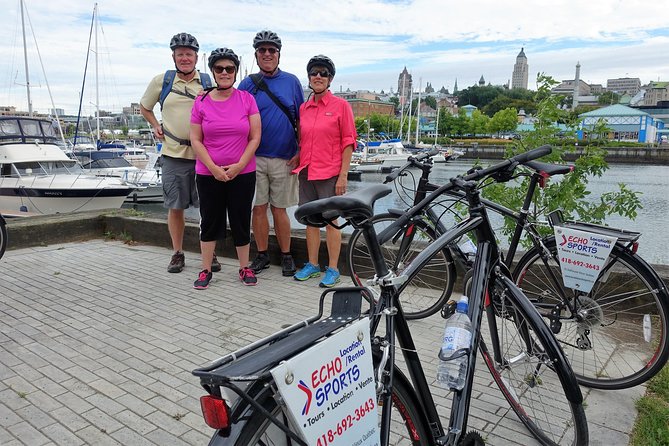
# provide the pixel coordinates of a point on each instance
(327, 127)
(225, 128)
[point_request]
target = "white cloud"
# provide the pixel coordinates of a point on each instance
(369, 41)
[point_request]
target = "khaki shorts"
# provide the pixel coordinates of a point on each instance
(274, 183)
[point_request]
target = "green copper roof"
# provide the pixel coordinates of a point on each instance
(613, 110)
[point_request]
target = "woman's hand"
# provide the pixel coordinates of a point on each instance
(232, 170)
(340, 187)
(220, 173)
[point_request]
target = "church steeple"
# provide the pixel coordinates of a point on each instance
(455, 87)
(481, 81)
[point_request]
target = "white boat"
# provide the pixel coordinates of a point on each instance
(380, 156)
(109, 163)
(37, 177)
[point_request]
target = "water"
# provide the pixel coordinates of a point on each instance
(651, 180)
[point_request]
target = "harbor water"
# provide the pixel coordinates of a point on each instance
(651, 180)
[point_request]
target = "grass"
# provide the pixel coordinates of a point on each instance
(652, 424)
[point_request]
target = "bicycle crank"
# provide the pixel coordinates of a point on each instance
(472, 438)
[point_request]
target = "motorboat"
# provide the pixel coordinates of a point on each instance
(37, 177)
(110, 163)
(380, 156)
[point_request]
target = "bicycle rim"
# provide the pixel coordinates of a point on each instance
(619, 339)
(426, 292)
(528, 380)
(407, 426)
(3, 237)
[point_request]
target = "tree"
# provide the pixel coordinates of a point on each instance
(503, 121)
(431, 101)
(478, 123)
(479, 96)
(608, 98)
(396, 102)
(569, 194)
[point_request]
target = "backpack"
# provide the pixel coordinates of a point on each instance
(168, 80)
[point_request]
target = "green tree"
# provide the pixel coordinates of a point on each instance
(608, 98)
(479, 96)
(431, 101)
(570, 194)
(503, 121)
(478, 123)
(396, 102)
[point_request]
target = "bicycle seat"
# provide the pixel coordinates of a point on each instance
(354, 206)
(549, 169)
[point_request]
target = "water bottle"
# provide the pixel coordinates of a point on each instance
(647, 328)
(451, 371)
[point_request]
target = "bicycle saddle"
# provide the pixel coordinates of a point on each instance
(549, 169)
(354, 206)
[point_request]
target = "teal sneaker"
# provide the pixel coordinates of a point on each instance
(307, 272)
(331, 278)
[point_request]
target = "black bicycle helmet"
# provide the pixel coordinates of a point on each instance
(323, 61)
(266, 36)
(223, 53)
(185, 40)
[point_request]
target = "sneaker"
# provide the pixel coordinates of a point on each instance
(215, 265)
(247, 276)
(202, 282)
(307, 272)
(260, 263)
(288, 266)
(331, 278)
(177, 263)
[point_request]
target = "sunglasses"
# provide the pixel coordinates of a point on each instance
(219, 69)
(321, 73)
(267, 50)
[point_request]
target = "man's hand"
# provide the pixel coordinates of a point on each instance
(294, 161)
(158, 132)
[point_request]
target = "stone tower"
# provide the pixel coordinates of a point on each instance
(404, 85)
(520, 70)
(577, 85)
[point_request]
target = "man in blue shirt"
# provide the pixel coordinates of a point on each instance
(278, 152)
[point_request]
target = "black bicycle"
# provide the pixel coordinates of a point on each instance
(3, 236)
(615, 335)
(243, 400)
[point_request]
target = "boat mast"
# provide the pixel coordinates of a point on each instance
(436, 127)
(409, 115)
(25, 57)
(420, 87)
(97, 89)
(402, 104)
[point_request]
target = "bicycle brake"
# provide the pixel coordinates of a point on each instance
(556, 325)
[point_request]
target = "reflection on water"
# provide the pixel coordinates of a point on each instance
(652, 181)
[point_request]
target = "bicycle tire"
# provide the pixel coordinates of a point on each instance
(3, 236)
(426, 292)
(616, 353)
(544, 395)
(408, 425)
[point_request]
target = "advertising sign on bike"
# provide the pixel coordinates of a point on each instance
(582, 256)
(330, 389)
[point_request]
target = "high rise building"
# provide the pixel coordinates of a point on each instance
(404, 85)
(624, 85)
(520, 70)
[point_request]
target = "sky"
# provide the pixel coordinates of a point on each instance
(370, 42)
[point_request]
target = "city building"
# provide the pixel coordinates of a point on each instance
(624, 85)
(404, 87)
(520, 71)
(656, 92)
(626, 124)
(366, 107)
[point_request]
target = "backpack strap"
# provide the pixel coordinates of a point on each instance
(168, 81)
(260, 84)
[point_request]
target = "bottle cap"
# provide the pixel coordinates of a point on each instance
(463, 305)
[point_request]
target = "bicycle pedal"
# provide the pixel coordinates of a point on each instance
(448, 309)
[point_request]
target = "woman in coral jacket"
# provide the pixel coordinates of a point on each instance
(327, 140)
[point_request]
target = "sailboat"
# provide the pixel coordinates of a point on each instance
(37, 177)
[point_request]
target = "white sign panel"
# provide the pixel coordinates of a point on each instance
(582, 256)
(330, 390)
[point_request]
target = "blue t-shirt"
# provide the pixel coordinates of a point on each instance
(278, 137)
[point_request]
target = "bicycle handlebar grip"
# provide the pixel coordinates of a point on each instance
(533, 154)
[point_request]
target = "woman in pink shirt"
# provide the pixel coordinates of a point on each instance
(327, 140)
(225, 133)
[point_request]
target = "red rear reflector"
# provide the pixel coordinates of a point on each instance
(635, 247)
(215, 411)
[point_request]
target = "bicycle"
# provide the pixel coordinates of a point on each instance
(3, 236)
(525, 360)
(615, 335)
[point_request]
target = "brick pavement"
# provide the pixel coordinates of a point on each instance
(97, 342)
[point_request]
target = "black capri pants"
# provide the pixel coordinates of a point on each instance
(219, 199)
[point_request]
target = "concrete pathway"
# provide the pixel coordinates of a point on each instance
(98, 341)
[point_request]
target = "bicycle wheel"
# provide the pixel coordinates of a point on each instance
(3, 236)
(407, 428)
(427, 291)
(617, 335)
(531, 371)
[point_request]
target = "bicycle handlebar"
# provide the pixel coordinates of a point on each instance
(411, 161)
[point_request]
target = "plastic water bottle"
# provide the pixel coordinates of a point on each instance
(647, 328)
(451, 372)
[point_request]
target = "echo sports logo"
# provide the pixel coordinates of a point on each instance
(328, 381)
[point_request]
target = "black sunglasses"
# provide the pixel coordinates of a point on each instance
(219, 69)
(321, 73)
(267, 50)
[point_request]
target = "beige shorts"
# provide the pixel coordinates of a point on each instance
(274, 183)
